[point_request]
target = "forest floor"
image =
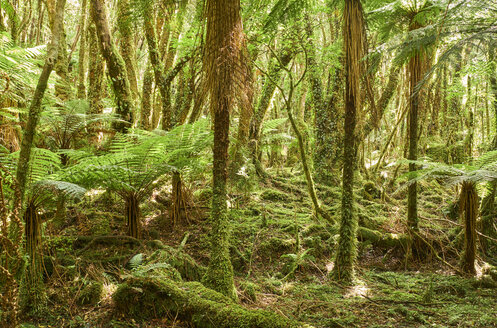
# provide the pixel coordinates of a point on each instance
(281, 255)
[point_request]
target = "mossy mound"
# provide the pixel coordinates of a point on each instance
(146, 298)
(90, 293)
(275, 195)
(184, 263)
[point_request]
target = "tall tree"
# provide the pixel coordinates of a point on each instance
(115, 66)
(127, 43)
(32, 295)
(82, 52)
(353, 44)
(222, 64)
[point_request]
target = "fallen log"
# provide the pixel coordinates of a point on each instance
(146, 298)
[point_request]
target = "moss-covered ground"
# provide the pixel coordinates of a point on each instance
(281, 254)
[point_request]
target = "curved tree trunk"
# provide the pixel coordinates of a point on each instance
(115, 66)
(32, 296)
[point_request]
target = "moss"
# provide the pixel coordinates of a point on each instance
(90, 293)
(275, 247)
(370, 191)
(377, 238)
(275, 195)
(145, 298)
(249, 289)
(184, 263)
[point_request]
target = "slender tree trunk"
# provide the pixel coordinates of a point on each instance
(414, 69)
(124, 21)
(224, 41)
(32, 296)
(353, 36)
(96, 69)
(263, 105)
(24, 164)
(488, 202)
(148, 80)
(115, 66)
(82, 52)
(469, 211)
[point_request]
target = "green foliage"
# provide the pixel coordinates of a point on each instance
(482, 169)
(44, 181)
(136, 160)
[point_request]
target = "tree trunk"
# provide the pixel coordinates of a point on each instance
(148, 79)
(469, 212)
(82, 52)
(115, 66)
(263, 104)
(414, 69)
(127, 43)
(24, 164)
(96, 69)
(133, 216)
(222, 59)
(32, 289)
(353, 34)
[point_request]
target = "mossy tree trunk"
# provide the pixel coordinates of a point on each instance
(488, 202)
(146, 105)
(325, 119)
(115, 66)
(96, 69)
(222, 62)
(127, 44)
(469, 212)
(353, 36)
(414, 70)
(158, 69)
(62, 86)
(23, 166)
(81, 93)
(32, 295)
(132, 208)
(275, 70)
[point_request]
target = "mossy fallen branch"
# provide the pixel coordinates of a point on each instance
(145, 298)
(86, 242)
(377, 238)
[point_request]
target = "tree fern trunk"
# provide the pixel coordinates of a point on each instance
(133, 216)
(222, 58)
(32, 290)
(469, 212)
(353, 34)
